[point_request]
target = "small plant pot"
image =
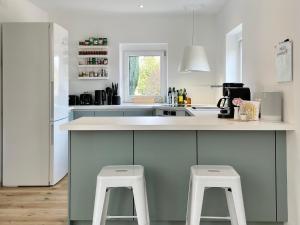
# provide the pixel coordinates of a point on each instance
(116, 100)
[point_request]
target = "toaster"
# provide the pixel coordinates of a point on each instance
(74, 100)
(86, 99)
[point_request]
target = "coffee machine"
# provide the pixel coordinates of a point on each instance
(230, 92)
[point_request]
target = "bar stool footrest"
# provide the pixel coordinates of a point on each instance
(120, 217)
(215, 218)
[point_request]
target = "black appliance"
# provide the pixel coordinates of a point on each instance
(109, 94)
(86, 99)
(100, 97)
(230, 92)
(74, 100)
(231, 85)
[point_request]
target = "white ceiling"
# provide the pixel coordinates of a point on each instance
(131, 6)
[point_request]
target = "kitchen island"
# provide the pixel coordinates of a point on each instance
(167, 147)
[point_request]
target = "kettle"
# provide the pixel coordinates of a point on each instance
(223, 105)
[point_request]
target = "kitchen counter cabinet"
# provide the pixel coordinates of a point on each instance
(253, 155)
(76, 114)
(90, 151)
(258, 156)
(110, 113)
(81, 113)
(167, 158)
(145, 112)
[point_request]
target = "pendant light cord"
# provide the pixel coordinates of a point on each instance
(193, 34)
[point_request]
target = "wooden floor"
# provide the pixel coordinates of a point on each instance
(34, 205)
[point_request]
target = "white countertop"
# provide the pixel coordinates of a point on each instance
(131, 106)
(112, 107)
(203, 120)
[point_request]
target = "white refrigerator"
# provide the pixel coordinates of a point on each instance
(34, 103)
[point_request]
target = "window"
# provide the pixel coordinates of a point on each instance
(144, 74)
(234, 55)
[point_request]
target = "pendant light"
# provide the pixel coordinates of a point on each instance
(194, 57)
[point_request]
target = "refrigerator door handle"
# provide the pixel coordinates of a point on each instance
(51, 101)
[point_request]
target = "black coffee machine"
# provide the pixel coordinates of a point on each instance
(230, 92)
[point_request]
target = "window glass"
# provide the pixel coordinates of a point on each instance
(234, 55)
(144, 75)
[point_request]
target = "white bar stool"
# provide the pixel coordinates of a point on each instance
(131, 176)
(203, 177)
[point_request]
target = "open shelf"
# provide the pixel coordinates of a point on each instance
(93, 78)
(92, 56)
(93, 46)
(92, 66)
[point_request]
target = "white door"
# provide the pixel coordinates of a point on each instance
(60, 73)
(58, 152)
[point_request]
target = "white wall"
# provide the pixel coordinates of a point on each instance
(265, 23)
(19, 11)
(172, 29)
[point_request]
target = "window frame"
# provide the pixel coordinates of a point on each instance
(163, 73)
(234, 55)
(241, 59)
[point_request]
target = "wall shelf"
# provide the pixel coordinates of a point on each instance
(93, 78)
(92, 56)
(88, 54)
(93, 46)
(92, 66)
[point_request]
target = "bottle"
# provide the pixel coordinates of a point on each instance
(180, 97)
(173, 96)
(177, 98)
(184, 96)
(169, 96)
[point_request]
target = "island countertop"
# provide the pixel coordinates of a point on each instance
(202, 120)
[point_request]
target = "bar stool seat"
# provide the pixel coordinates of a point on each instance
(204, 177)
(127, 176)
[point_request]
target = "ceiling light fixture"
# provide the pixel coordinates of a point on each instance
(140, 4)
(194, 57)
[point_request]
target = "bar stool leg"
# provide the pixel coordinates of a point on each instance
(239, 204)
(140, 202)
(195, 205)
(99, 203)
(146, 199)
(230, 204)
(105, 207)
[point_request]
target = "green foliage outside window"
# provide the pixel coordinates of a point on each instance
(144, 75)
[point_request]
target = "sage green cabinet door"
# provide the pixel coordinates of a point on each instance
(167, 157)
(145, 112)
(90, 151)
(71, 115)
(80, 113)
(108, 113)
(252, 154)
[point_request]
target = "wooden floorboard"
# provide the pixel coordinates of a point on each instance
(34, 205)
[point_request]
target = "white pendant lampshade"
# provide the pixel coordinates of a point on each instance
(194, 60)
